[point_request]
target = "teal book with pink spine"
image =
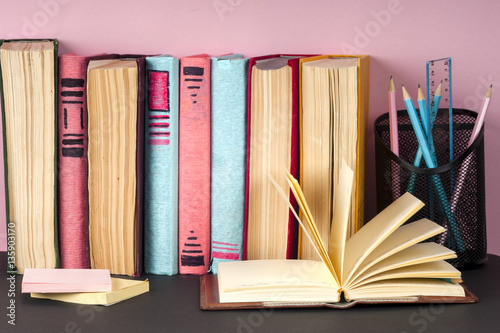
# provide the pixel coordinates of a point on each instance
(161, 165)
(194, 165)
(229, 112)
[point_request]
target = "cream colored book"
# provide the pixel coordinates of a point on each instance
(271, 149)
(333, 127)
(113, 118)
(382, 260)
(122, 289)
(28, 87)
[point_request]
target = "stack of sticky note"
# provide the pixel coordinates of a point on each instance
(83, 286)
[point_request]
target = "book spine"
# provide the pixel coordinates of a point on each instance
(161, 166)
(72, 156)
(292, 241)
(194, 165)
(229, 111)
(139, 203)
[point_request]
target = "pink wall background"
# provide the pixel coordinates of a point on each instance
(399, 35)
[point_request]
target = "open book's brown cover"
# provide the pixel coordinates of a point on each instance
(209, 299)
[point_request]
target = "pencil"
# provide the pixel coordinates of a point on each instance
(424, 115)
(464, 169)
(393, 118)
(393, 133)
(435, 103)
(421, 137)
(426, 119)
(434, 108)
(438, 186)
(418, 158)
(480, 117)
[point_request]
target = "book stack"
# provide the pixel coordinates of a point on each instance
(184, 165)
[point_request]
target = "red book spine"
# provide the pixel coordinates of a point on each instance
(72, 155)
(194, 165)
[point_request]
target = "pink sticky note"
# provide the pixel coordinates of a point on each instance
(38, 280)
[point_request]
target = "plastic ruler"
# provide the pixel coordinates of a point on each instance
(439, 70)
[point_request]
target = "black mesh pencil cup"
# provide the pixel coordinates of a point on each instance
(453, 193)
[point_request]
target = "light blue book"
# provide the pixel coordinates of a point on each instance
(161, 163)
(229, 120)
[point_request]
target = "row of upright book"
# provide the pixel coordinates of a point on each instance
(135, 162)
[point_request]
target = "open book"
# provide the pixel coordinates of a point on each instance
(382, 261)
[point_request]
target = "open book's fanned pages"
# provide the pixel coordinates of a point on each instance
(272, 144)
(334, 94)
(229, 111)
(72, 159)
(28, 87)
(194, 165)
(399, 240)
(161, 164)
(209, 299)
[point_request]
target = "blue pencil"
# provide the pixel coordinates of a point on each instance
(426, 119)
(424, 115)
(418, 158)
(412, 113)
(435, 103)
(421, 137)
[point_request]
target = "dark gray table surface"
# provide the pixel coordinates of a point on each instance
(172, 305)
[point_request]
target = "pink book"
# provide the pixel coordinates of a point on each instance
(72, 158)
(39, 280)
(194, 165)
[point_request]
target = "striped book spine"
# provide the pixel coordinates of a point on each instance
(229, 112)
(72, 151)
(194, 165)
(161, 165)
